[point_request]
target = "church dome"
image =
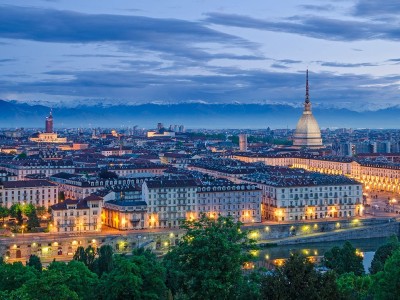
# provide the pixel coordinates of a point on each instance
(307, 132)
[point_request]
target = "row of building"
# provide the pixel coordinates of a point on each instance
(379, 175)
(158, 203)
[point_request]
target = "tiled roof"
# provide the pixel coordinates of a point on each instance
(27, 184)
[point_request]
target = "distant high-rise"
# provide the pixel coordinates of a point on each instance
(49, 123)
(243, 142)
(307, 132)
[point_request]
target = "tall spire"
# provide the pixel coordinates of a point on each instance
(307, 89)
(307, 102)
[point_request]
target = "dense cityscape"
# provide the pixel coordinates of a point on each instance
(205, 150)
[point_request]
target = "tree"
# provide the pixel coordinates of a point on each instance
(27, 208)
(207, 262)
(51, 285)
(33, 220)
(90, 256)
(386, 283)
(34, 262)
(79, 278)
(298, 279)
(15, 275)
(344, 260)
(87, 256)
(152, 273)
(14, 210)
(354, 287)
(123, 282)
(105, 262)
(383, 253)
(41, 211)
(4, 212)
(80, 255)
(19, 217)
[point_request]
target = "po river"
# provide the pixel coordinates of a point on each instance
(268, 257)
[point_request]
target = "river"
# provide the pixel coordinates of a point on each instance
(268, 257)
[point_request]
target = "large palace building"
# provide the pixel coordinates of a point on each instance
(49, 136)
(307, 134)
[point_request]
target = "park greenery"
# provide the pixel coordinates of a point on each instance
(209, 262)
(21, 213)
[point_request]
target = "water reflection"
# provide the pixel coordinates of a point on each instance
(271, 257)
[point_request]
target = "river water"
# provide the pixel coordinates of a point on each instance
(269, 257)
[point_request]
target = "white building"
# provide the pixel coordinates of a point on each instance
(293, 195)
(77, 215)
(23, 168)
(169, 202)
(36, 192)
(240, 201)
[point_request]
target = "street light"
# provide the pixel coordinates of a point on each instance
(393, 201)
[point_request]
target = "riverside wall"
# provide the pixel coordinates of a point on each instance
(62, 247)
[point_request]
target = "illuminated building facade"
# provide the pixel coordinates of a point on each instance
(293, 195)
(374, 175)
(239, 201)
(124, 209)
(169, 202)
(49, 136)
(36, 192)
(77, 215)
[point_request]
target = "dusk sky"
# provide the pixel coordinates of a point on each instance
(102, 51)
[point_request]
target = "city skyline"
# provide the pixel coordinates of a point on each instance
(68, 53)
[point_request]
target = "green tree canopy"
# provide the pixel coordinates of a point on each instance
(33, 220)
(14, 210)
(352, 287)
(386, 283)
(105, 260)
(80, 279)
(207, 263)
(4, 212)
(152, 274)
(34, 262)
(15, 275)
(123, 282)
(298, 279)
(49, 286)
(87, 256)
(344, 260)
(382, 254)
(41, 211)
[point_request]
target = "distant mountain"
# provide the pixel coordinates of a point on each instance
(192, 115)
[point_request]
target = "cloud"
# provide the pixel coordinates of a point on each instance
(375, 8)
(313, 26)
(226, 84)
(345, 65)
(135, 33)
(5, 60)
(278, 66)
(318, 8)
(289, 61)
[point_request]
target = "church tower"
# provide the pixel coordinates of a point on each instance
(49, 123)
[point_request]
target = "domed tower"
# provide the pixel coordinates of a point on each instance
(307, 132)
(49, 123)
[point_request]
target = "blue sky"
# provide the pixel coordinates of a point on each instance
(122, 51)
